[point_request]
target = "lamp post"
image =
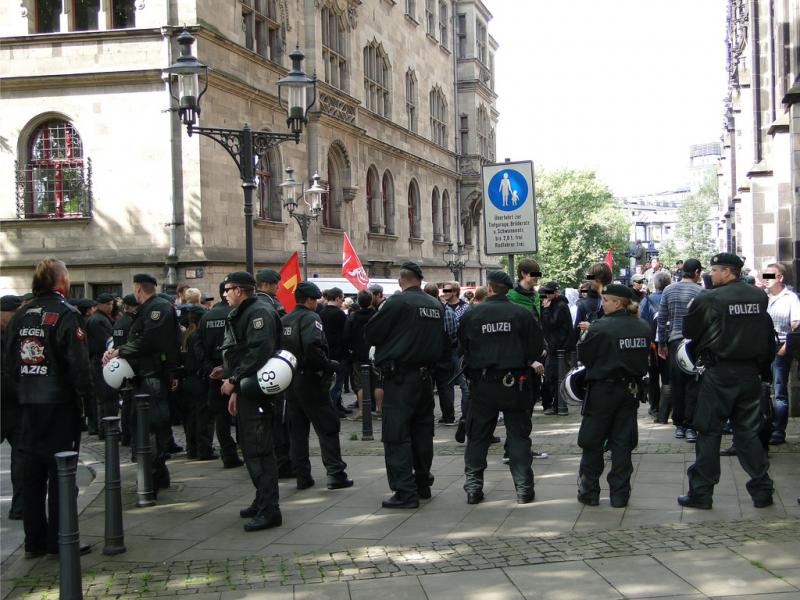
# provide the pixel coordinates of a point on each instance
(296, 95)
(309, 211)
(455, 259)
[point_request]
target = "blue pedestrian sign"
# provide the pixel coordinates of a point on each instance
(509, 208)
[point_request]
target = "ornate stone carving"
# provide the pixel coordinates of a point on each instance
(738, 26)
(336, 108)
(349, 193)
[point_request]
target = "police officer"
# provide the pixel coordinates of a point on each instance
(409, 338)
(120, 335)
(49, 359)
(267, 287)
(500, 340)
(734, 339)
(615, 351)
(307, 399)
(10, 418)
(153, 351)
(252, 336)
(99, 330)
(208, 341)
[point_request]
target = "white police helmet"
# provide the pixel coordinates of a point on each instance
(573, 386)
(276, 376)
(685, 358)
(116, 371)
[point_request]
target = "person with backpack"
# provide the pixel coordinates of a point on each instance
(648, 311)
(673, 308)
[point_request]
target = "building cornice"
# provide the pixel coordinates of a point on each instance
(78, 37)
(37, 82)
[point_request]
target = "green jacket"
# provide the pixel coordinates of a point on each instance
(528, 299)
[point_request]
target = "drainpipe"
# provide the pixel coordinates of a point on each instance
(456, 125)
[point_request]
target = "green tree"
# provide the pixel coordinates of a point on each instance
(578, 220)
(693, 232)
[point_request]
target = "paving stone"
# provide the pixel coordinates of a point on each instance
(569, 581)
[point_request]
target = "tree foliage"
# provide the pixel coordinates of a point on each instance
(693, 232)
(578, 220)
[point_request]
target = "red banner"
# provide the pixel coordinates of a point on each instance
(609, 259)
(351, 266)
(290, 277)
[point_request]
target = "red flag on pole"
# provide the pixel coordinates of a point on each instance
(290, 277)
(609, 259)
(351, 266)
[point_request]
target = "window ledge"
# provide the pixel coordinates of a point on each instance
(445, 49)
(270, 224)
(331, 230)
(432, 38)
(47, 221)
(415, 240)
(441, 243)
(382, 236)
(411, 20)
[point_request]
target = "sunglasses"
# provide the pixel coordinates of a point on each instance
(447, 291)
(228, 289)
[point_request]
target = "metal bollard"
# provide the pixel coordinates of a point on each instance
(115, 537)
(144, 459)
(561, 361)
(69, 544)
(366, 405)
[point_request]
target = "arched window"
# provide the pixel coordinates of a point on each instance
(411, 100)
(374, 201)
(436, 212)
(467, 230)
(414, 228)
(338, 180)
(387, 190)
(377, 79)
(56, 179)
(438, 105)
(268, 198)
(334, 47)
(483, 132)
(446, 216)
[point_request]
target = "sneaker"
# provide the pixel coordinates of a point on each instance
(540, 455)
(451, 422)
(461, 432)
(563, 414)
(379, 415)
(776, 441)
(550, 412)
(354, 417)
(506, 460)
(691, 435)
(680, 433)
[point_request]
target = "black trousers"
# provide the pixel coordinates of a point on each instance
(408, 430)
(46, 430)
(609, 414)
(218, 405)
(160, 429)
(280, 434)
(198, 422)
(442, 374)
(685, 389)
(729, 391)
(488, 399)
(106, 399)
(254, 423)
(10, 429)
(308, 403)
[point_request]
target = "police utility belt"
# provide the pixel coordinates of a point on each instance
(391, 368)
(506, 377)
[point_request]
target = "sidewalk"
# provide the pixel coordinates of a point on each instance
(343, 544)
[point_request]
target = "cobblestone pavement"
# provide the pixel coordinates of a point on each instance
(342, 544)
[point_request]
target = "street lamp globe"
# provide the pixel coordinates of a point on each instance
(186, 70)
(315, 193)
(289, 185)
(297, 93)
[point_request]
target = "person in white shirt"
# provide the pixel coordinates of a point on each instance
(784, 308)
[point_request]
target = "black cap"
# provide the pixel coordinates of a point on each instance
(104, 297)
(621, 291)
(28, 297)
(10, 302)
(240, 278)
(307, 289)
(130, 300)
(268, 276)
(691, 265)
(84, 303)
(144, 278)
(725, 259)
(500, 277)
(551, 287)
(413, 267)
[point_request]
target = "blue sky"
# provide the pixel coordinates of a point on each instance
(622, 87)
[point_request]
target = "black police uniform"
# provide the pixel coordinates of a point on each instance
(499, 340)
(49, 361)
(307, 399)
(252, 336)
(119, 335)
(198, 422)
(409, 338)
(280, 420)
(99, 329)
(734, 337)
(207, 341)
(615, 351)
(153, 352)
(10, 416)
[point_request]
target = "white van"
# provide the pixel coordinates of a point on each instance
(390, 286)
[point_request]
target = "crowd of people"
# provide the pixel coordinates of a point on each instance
(506, 346)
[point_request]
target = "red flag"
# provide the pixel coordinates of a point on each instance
(351, 266)
(290, 277)
(609, 259)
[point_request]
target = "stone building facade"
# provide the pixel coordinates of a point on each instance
(760, 170)
(100, 173)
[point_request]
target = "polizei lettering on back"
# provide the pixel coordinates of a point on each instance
(632, 343)
(501, 327)
(745, 308)
(428, 313)
(215, 323)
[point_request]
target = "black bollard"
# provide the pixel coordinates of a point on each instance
(561, 361)
(144, 459)
(115, 538)
(69, 544)
(366, 405)
(126, 410)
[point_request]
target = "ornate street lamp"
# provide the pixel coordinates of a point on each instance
(310, 208)
(455, 259)
(297, 93)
